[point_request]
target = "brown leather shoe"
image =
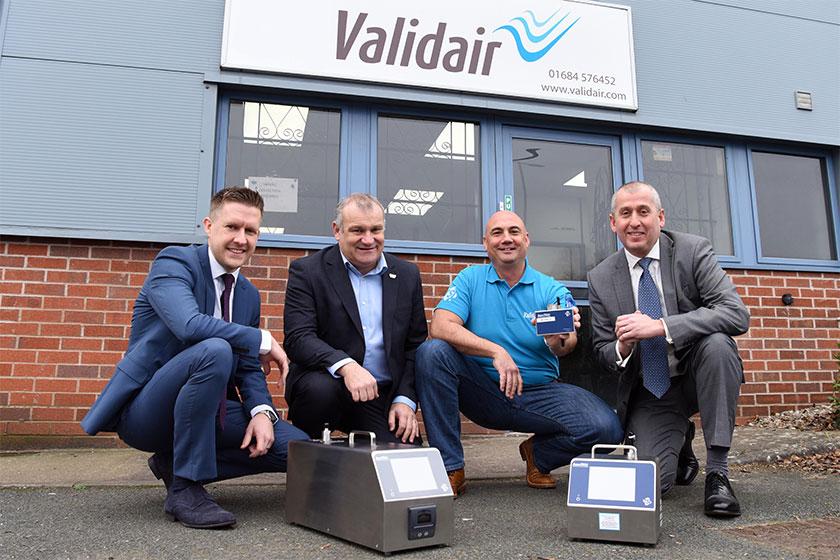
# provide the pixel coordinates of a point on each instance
(457, 481)
(533, 476)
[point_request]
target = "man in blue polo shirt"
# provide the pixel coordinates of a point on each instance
(486, 360)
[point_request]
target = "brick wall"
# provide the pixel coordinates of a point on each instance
(65, 308)
(788, 352)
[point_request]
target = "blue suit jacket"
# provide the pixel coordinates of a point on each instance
(173, 311)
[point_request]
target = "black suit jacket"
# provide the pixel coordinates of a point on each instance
(321, 318)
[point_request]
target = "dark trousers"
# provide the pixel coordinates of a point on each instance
(317, 398)
(710, 385)
(176, 413)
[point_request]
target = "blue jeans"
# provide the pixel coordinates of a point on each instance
(566, 420)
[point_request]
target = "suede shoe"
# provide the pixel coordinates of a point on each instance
(720, 499)
(161, 467)
(193, 507)
(687, 465)
(457, 481)
(533, 475)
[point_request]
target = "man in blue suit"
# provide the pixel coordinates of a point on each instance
(190, 387)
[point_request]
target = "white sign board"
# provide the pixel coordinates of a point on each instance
(568, 51)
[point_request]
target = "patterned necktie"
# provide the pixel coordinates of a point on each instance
(655, 372)
(227, 279)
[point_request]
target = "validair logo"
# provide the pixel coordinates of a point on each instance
(536, 37)
(402, 45)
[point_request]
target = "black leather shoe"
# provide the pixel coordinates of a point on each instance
(161, 467)
(193, 507)
(687, 465)
(720, 499)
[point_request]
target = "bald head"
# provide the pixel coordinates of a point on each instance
(506, 241)
(504, 217)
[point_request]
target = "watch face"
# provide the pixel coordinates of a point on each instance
(271, 415)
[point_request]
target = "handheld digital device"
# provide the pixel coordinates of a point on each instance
(555, 321)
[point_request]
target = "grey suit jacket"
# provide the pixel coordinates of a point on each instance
(699, 297)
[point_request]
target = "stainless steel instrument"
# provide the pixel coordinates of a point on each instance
(387, 497)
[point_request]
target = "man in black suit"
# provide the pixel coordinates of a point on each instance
(353, 320)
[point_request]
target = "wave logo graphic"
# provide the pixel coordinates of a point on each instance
(539, 36)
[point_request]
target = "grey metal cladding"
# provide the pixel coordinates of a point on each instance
(703, 66)
(820, 10)
(99, 147)
(176, 35)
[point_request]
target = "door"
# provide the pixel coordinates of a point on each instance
(561, 184)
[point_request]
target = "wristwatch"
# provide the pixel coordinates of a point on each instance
(271, 415)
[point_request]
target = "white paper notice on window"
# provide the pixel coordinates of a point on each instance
(280, 194)
(662, 152)
(609, 483)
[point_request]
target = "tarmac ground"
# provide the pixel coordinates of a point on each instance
(105, 504)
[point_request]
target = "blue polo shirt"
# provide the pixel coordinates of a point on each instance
(502, 314)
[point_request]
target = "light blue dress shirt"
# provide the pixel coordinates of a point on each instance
(368, 291)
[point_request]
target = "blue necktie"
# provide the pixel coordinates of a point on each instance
(655, 373)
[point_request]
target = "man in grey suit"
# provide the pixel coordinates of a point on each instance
(663, 317)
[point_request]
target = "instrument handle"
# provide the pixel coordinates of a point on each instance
(352, 440)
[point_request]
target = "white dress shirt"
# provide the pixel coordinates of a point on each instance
(217, 270)
(635, 276)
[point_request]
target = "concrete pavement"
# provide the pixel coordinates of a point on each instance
(487, 457)
(106, 504)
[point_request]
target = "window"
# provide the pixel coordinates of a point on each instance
(691, 181)
(290, 154)
(428, 176)
(793, 207)
(562, 191)
(441, 174)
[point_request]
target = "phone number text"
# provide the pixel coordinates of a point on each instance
(585, 77)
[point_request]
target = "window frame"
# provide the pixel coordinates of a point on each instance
(508, 132)
(358, 138)
(731, 180)
(357, 163)
(833, 210)
(489, 192)
(288, 240)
